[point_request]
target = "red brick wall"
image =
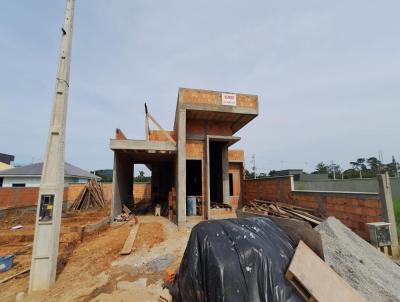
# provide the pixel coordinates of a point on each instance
(208, 127)
(195, 149)
(140, 191)
(195, 96)
(158, 135)
(236, 169)
(18, 197)
(353, 209)
(28, 197)
(235, 155)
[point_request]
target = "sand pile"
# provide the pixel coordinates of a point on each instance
(370, 272)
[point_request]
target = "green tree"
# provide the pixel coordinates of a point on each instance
(248, 174)
(334, 171)
(392, 168)
(350, 173)
(374, 164)
(321, 168)
(142, 177)
(359, 165)
(272, 173)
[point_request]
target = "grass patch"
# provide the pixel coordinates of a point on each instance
(396, 206)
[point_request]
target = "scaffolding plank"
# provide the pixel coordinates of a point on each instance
(127, 248)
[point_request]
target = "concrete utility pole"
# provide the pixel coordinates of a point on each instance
(253, 161)
(48, 218)
(333, 168)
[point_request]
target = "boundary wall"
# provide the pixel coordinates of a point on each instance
(354, 209)
(348, 185)
(28, 196)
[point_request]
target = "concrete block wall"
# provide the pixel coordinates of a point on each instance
(353, 209)
(349, 185)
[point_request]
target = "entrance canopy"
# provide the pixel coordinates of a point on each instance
(144, 151)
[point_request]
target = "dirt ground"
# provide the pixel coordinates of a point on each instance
(19, 242)
(94, 270)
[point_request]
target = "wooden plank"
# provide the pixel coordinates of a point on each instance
(126, 210)
(316, 281)
(303, 216)
(126, 250)
(15, 275)
(165, 133)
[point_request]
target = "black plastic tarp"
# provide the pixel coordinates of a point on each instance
(236, 260)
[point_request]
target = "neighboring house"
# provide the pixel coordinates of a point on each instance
(299, 175)
(6, 158)
(29, 176)
(4, 166)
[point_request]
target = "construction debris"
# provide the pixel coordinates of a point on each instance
(316, 281)
(278, 209)
(371, 273)
(165, 296)
(17, 227)
(91, 196)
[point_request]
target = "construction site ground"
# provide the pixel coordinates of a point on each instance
(92, 269)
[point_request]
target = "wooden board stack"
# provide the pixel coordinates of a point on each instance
(278, 209)
(316, 281)
(91, 196)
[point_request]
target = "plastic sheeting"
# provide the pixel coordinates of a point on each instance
(236, 260)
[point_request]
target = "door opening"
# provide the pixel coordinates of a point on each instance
(216, 190)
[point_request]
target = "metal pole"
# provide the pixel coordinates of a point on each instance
(48, 218)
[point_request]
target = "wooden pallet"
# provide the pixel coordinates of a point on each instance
(316, 281)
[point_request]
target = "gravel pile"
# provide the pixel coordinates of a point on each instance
(370, 272)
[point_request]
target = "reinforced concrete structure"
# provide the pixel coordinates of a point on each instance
(194, 158)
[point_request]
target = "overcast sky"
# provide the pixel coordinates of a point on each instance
(327, 74)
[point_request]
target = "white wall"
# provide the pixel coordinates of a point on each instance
(35, 181)
(28, 181)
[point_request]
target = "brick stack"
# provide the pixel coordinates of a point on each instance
(169, 275)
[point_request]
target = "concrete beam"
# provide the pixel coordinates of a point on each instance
(220, 108)
(229, 140)
(130, 144)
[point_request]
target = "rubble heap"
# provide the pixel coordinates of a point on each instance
(370, 272)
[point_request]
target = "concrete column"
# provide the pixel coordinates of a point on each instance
(122, 183)
(388, 211)
(181, 168)
(207, 176)
(225, 175)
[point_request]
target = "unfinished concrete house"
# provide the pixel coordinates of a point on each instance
(194, 159)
